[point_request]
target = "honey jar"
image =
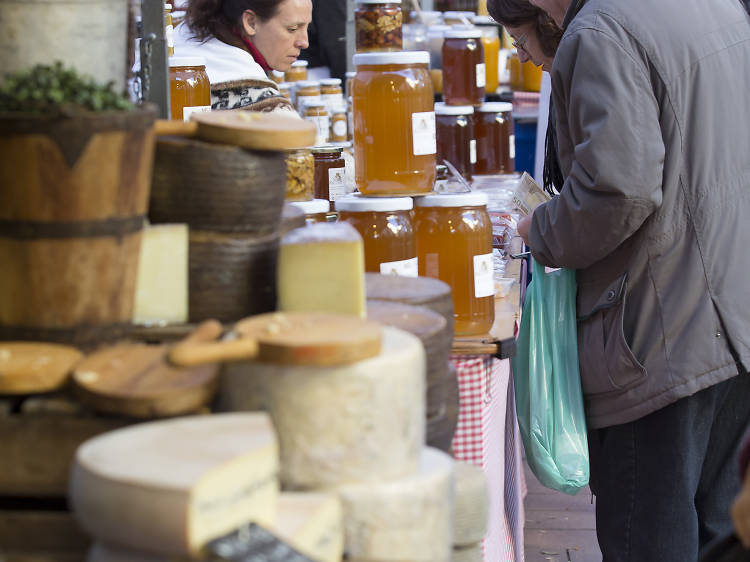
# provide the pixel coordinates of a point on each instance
(387, 230)
(455, 136)
(454, 244)
(189, 88)
(300, 166)
(496, 146)
(349, 79)
(285, 89)
(331, 93)
(277, 76)
(491, 44)
(531, 77)
(296, 72)
(318, 114)
(394, 123)
(316, 210)
(306, 92)
(339, 123)
(330, 172)
(464, 75)
(378, 25)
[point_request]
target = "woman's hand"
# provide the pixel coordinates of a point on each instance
(741, 512)
(523, 228)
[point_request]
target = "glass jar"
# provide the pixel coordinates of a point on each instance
(496, 142)
(435, 44)
(454, 244)
(491, 44)
(349, 79)
(300, 166)
(387, 230)
(394, 123)
(455, 136)
(339, 124)
(453, 17)
(296, 72)
(330, 172)
(189, 88)
(316, 210)
(306, 92)
(331, 93)
(464, 75)
(378, 25)
(285, 89)
(514, 69)
(531, 77)
(317, 113)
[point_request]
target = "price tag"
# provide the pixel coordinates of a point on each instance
(252, 543)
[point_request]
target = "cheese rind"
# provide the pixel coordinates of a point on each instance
(410, 518)
(471, 505)
(169, 487)
(468, 554)
(312, 523)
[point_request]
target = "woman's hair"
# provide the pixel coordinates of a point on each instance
(516, 13)
(219, 18)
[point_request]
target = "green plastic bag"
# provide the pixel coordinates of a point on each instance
(549, 401)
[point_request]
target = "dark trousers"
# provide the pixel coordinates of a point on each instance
(664, 483)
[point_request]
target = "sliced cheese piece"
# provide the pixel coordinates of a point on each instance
(353, 423)
(468, 554)
(161, 288)
(471, 503)
(321, 269)
(312, 523)
(406, 519)
(169, 487)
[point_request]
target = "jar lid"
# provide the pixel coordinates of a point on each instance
(357, 203)
(313, 207)
(350, 74)
(495, 107)
(326, 149)
(308, 84)
(378, 1)
(299, 63)
(442, 109)
(186, 61)
(483, 20)
(454, 33)
(314, 104)
(342, 144)
(277, 73)
(393, 57)
(284, 85)
(467, 199)
(457, 14)
(438, 30)
(330, 82)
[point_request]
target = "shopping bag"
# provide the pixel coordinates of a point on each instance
(549, 400)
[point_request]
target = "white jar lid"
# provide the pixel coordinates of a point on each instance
(457, 14)
(495, 107)
(393, 57)
(359, 203)
(454, 33)
(467, 199)
(284, 85)
(307, 84)
(437, 30)
(187, 61)
(442, 109)
(378, 1)
(330, 82)
(483, 20)
(313, 207)
(298, 63)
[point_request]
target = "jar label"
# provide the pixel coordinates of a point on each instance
(188, 111)
(512, 146)
(402, 268)
(484, 283)
(331, 100)
(323, 126)
(169, 35)
(339, 128)
(473, 151)
(336, 183)
(481, 75)
(423, 133)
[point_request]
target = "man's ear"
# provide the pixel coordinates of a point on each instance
(249, 20)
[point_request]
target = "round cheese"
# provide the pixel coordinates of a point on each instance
(471, 505)
(468, 554)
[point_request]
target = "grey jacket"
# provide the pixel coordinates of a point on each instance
(653, 126)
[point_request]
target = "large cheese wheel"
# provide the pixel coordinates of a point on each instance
(405, 519)
(362, 422)
(468, 554)
(471, 505)
(169, 487)
(441, 426)
(311, 523)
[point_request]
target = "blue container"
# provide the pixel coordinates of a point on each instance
(525, 131)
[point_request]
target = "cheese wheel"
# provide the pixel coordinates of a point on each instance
(471, 505)
(468, 554)
(404, 519)
(362, 422)
(169, 487)
(311, 523)
(441, 426)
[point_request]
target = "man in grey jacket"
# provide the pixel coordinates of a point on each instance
(653, 108)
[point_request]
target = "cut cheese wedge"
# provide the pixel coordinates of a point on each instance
(312, 523)
(169, 487)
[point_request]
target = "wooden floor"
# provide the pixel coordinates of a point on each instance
(559, 527)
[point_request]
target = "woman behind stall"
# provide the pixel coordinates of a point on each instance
(241, 42)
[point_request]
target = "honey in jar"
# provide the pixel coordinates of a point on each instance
(316, 210)
(296, 72)
(339, 123)
(306, 92)
(378, 25)
(331, 93)
(454, 244)
(394, 123)
(386, 227)
(491, 44)
(455, 136)
(493, 131)
(464, 74)
(189, 88)
(330, 172)
(317, 113)
(285, 89)
(277, 76)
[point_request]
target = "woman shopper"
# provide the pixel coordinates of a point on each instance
(241, 42)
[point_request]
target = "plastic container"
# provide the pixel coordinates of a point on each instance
(495, 136)
(316, 210)
(189, 88)
(491, 44)
(394, 123)
(454, 244)
(386, 226)
(330, 172)
(464, 74)
(455, 136)
(296, 72)
(378, 25)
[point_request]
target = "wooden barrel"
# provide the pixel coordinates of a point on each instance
(72, 206)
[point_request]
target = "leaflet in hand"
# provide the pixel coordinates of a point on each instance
(529, 194)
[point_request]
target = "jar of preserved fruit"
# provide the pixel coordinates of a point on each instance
(316, 210)
(394, 123)
(496, 143)
(331, 93)
(455, 136)
(189, 88)
(378, 25)
(464, 75)
(300, 166)
(387, 230)
(491, 44)
(296, 72)
(330, 172)
(318, 114)
(339, 122)
(454, 244)
(306, 92)
(285, 89)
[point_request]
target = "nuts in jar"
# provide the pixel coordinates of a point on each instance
(378, 25)
(300, 167)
